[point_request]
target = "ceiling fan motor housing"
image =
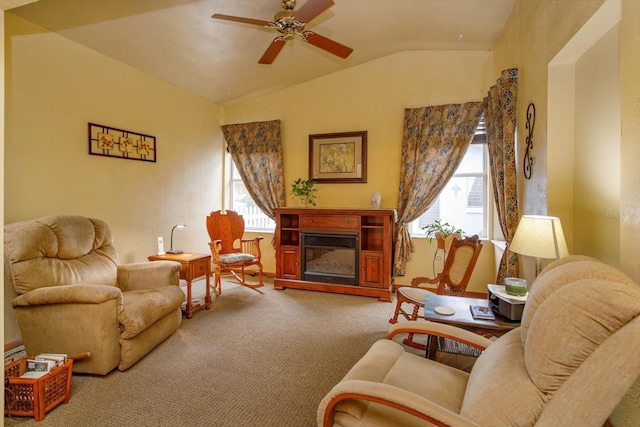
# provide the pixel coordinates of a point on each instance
(286, 24)
(288, 4)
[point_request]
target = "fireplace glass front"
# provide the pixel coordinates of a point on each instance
(330, 257)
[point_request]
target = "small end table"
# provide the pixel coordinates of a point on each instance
(194, 266)
(462, 317)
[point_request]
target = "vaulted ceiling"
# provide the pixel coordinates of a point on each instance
(177, 40)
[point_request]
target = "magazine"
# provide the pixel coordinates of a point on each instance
(43, 363)
(482, 312)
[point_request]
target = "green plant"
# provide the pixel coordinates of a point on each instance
(304, 188)
(438, 227)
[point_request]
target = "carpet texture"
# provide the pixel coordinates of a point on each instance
(257, 358)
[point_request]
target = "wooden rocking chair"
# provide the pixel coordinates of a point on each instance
(231, 253)
(453, 280)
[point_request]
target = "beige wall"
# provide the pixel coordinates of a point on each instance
(596, 219)
(373, 97)
(536, 32)
(54, 87)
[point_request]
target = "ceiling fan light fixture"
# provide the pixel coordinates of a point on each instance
(289, 33)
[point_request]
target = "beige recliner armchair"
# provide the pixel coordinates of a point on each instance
(75, 297)
(569, 364)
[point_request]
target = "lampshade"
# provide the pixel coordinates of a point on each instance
(540, 237)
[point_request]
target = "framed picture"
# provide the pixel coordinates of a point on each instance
(338, 157)
(122, 144)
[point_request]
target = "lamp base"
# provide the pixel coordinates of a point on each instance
(174, 251)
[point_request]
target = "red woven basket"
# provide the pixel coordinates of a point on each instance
(34, 397)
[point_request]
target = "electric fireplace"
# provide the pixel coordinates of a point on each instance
(330, 257)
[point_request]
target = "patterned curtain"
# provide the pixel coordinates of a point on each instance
(434, 142)
(257, 152)
(500, 118)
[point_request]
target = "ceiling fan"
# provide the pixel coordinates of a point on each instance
(290, 23)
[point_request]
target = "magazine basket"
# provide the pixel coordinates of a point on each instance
(34, 397)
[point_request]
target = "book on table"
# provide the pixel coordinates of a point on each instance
(482, 312)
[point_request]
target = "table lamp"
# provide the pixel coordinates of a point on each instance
(175, 251)
(540, 237)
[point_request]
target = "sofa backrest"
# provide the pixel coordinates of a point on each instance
(59, 250)
(577, 312)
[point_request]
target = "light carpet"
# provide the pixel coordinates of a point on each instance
(257, 358)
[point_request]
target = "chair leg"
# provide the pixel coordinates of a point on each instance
(260, 275)
(409, 340)
(394, 319)
(217, 287)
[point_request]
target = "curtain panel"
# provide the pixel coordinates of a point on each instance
(500, 119)
(435, 139)
(256, 150)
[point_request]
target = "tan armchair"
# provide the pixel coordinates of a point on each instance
(569, 364)
(75, 297)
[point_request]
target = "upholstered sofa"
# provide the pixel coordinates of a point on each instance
(75, 297)
(569, 364)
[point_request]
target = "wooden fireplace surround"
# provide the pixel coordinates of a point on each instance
(375, 230)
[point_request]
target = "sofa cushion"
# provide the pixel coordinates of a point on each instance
(490, 396)
(387, 362)
(142, 308)
(560, 273)
(235, 258)
(590, 311)
(60, 250)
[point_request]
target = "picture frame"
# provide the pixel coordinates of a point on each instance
(338, 157)
(108, 141)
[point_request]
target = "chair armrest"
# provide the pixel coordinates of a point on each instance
(388, 395)
(148, 275)
(215, 247)
(251, 246)
(440, 330)
(68, 294)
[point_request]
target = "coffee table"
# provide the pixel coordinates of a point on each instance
(462, 318)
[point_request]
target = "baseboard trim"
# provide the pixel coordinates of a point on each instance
(13, 344)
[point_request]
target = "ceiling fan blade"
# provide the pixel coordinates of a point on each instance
(311, 9)
(243, 20)
(326, 44)
(272, 51)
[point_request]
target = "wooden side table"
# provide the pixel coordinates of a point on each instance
(462, 317)
(194, 266)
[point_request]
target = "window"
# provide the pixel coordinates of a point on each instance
(463, 201)
(242, 203)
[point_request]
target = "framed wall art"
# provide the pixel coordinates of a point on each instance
(338, 157)
(120, 143)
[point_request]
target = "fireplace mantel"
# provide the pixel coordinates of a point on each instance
(374, 231)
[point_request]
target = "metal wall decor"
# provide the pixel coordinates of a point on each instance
(528, 157)
(120, 143)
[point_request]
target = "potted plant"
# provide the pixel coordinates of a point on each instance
(443, 233)
(303, 190)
